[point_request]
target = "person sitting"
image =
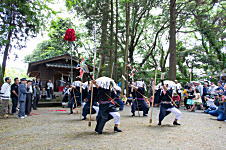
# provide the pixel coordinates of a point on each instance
(220, 111)
(191, 95)
(176, 99)
(43, 93)
(197, 100)
(210, 103)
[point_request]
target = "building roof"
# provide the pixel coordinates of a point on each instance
(54, 62)
(54, 59)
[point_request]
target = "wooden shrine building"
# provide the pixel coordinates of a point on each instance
(57, 69)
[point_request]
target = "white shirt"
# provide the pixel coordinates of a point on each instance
(5, 90)
(30, 89)
(49, 85)
(177, 87)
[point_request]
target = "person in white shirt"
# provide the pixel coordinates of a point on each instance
(177, 88)
(50, 89)
(200, 88)
(5, 100)
(212, 89)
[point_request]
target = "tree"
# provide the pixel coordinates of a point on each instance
(56, 45)
(19, 20)
(172, 41)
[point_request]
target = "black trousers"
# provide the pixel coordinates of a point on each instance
(185, 103)
(35, 101)
(28, 104)
(140, 105)
(15, 104)
(163, 113)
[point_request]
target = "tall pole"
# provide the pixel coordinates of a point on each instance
(71, 66)
(94, 69)
(125, 71)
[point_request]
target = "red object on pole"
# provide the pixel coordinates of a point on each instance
(70, 35)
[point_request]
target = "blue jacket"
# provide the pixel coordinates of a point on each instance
(22, 92)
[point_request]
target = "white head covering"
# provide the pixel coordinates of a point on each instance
(77, 83)
(117, 88)
(105, 82)
(141, 84)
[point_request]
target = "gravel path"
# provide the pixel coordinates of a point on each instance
(56, 130)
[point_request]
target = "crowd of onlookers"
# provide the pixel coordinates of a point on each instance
(204, 96)
(22, 96)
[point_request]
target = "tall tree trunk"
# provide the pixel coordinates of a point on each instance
(116, 43)
(111, 63)
(104, 37)
(172, 41)
(6, 52)
(125, 71)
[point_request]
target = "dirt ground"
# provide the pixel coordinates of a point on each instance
(56, 130)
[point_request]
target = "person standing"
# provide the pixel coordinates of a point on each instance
(22, 91)
(29, 98)
(178, 88)
(37, 95)
(49, 89)
(38, 82)
(5, 98)
(14, 94)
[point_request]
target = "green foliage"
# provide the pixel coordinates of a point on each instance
(24, 19)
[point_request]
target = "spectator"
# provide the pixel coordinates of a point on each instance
(43, 93)
(66, 93)
(22, 98)
(205, 92)
(14, 95)
(5, 98)
(29, 98)
(176, 99)
(38, 82)
(178, 88)
(197, 100)
(50, 89)
(212, 88)
(224, 94)
(200, 88)
(220, 88)
(36, 95)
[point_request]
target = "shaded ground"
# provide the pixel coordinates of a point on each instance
(56, 130)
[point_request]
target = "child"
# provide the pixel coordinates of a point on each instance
(176, 99)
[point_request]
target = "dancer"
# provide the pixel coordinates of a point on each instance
(95, 106)
(167, 106)
(139, 103)
(107, 108)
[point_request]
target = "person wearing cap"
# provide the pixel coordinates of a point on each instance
(5, 98)
(22, 91)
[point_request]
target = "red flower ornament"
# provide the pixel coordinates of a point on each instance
(70, 35)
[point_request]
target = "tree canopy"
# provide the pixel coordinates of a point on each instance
(182, 38)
